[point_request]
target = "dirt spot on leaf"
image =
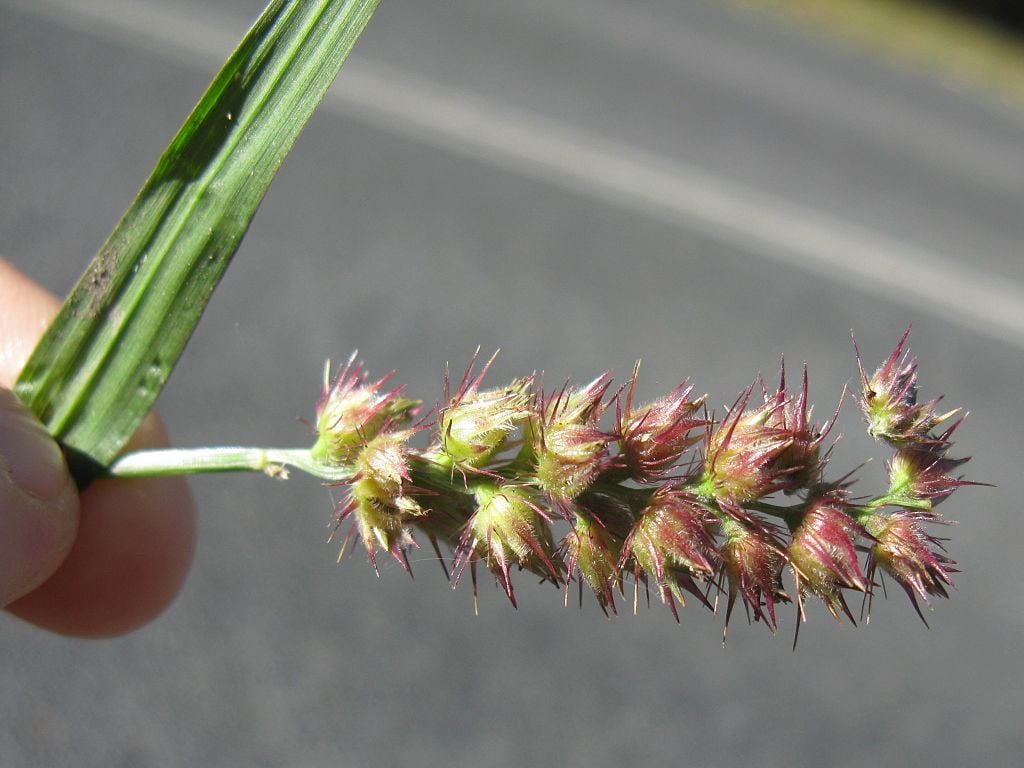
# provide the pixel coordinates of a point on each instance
(98, 278)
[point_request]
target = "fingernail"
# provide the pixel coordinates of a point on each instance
(33, 458)
(38, 502)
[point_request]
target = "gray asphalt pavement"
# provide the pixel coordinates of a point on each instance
(580, 184)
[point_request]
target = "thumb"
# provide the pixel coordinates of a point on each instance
(38, 502)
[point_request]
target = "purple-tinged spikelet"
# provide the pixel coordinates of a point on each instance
(352, 410)
(822, 553)
(508, 529)
(920, 475)
(802, 462)
(474, 424)
(672, 542)
(915, 559)
(379, 497)
(570, 447)
(753, 558)
(591, 550)
(889, 399)
(742, 456)
(380, 523)
(653, 438)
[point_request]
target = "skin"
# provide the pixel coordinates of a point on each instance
(108, 560)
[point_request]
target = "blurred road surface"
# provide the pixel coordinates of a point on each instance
(580, 184)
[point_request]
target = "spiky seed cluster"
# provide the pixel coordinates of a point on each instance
(769, 448)
(919, 479)
(668, 494)
(654, 437)
(753, 558)
(474, 424)
(889, 400)
(352, 410)
(379, 496)
(593, 551)
(822, 553)
(569, 447)
(920, 476)
(914, 558)
(672, 542)
(507, 530)
(740, 464)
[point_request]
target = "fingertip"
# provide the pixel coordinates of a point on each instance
(135, 544)
(38, 502)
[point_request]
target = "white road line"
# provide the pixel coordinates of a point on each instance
(757, 222)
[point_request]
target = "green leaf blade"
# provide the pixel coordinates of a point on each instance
(102, 363)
